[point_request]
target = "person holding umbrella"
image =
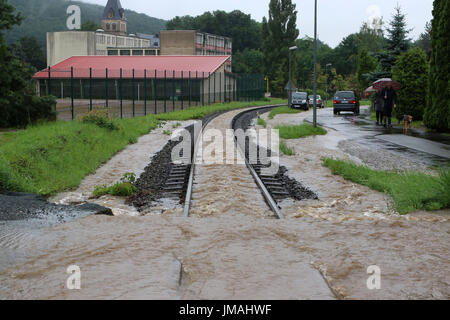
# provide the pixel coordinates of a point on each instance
(389, 97)
(379, 107)
(390, 100)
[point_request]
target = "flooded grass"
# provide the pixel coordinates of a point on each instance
(283, 110)
(411, 191)
(300, 131)
(286, 150)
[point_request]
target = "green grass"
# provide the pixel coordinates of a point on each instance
(201, 112)
(54, 157)
(286, 150)
(283, 110)
(262, 122)
(300, 131)
(410, 191)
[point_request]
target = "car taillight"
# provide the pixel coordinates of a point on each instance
(353, 102)
(319, 101)
(336, 102)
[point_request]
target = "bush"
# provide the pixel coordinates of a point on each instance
(100, 117)
(22, 110)
(411, 70)
(124, 188)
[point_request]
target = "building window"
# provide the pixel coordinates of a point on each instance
(113, 52)
(138, 52)
(150, 52)
(114, 27)
(125, 52)
(108, 26)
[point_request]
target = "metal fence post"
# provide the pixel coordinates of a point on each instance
(121, 93)
(71, 93)
(196, 81)
(49, 84)
(174, 91)
(90, 89)
(215, 92)
(182, 91)
(106, 89)
(209, 88)
(203, 88)
(220, 87)
(165, 92)
(133, 92)
(145, 92)
(155, 84)
(190, 90)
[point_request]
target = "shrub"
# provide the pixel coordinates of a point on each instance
(100, 117)
(22, 110)
(124, 188)
(411, 70)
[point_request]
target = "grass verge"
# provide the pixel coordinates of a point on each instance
(300, 131)
(262, 122)
(410, 191)
(283, 110)
(54, 157)
(286, 150)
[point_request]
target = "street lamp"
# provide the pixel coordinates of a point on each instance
(315, 65)
(290, 85)
(326, 74)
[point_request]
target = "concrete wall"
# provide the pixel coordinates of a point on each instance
(63, 45)
(178, 42)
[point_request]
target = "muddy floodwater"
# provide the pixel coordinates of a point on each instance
(232, 247)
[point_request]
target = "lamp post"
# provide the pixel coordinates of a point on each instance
(290, 85)
(326, 74)
(315, 65)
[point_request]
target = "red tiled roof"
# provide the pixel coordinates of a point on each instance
(199, 66)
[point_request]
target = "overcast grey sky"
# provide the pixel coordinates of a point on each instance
(336, 18)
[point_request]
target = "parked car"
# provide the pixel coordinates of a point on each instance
(345, 101)
(319, 101)
(300, 100)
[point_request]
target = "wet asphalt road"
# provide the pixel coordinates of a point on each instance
(427, 148)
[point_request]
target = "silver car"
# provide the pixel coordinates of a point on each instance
(319, 101)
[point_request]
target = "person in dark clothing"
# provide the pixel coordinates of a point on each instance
(378, 106)
(390, 100)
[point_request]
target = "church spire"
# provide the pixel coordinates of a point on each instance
(114, 20)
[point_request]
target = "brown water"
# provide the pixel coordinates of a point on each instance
(230, 250)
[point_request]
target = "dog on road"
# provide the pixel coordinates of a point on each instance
(407, 121)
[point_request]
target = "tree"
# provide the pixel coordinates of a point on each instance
(366, 64)
(411, 70)
(424, 41)
(397, 42)
(279, 33)
(29, 50)
(18, 105)
(248, 61)
(437, 113)
(245, 32)
(90, 26)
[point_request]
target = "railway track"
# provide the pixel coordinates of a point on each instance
(271, 187)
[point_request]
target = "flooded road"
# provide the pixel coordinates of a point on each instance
(231, 248)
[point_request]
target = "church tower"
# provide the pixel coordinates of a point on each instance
(114, 20)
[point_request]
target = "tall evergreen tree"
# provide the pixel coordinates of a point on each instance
(279, 33)
(397, 42)
(437, 113)
(366, 64)
(424, 41)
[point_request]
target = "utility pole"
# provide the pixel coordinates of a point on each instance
(326, 74)
(315, 64)
(290, 85)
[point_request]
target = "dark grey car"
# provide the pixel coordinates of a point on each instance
(345, 101)
(300, 100)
